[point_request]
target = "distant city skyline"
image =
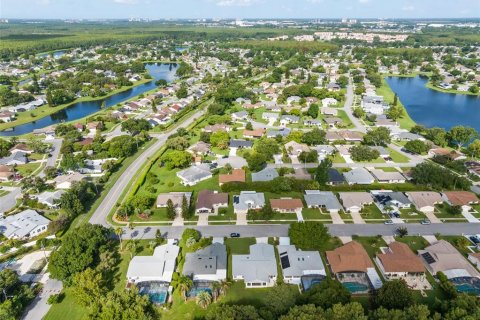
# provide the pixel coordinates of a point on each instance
(237, 9)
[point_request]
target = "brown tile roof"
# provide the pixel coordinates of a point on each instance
(4, 168)
(254, 133)
(237, 175)
(21, 146)
(208, 198)
(461, 198)
(286, 204)
(349, 258)
(400, 258)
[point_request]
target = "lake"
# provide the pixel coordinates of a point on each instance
(82, 109)
(433, 108)
(56, 54)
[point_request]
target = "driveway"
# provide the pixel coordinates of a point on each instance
(202, 220)
(336, 219)
(241, 219)
(39, 306)
(432, 217)
(357, 217)
(470, 217)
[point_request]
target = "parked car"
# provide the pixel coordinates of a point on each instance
(425, 222)
(234, 235)
(388, 222)
(475, 239)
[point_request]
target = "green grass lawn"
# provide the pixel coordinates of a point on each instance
(371, 244)
(414, 242)
(67, 309)
(372, 212)
(405, 121)
(239, 245)
(397, 156)
(313, 213)
(347, 123)
(337, 158)
(28, 168)
(408, 214)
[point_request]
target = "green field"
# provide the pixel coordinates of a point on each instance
(405, 121)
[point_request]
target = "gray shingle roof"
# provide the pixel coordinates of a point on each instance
(327, 199)
(206, 261)
(267, 174)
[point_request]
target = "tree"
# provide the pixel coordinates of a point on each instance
(436, 177)
(394, 294)
(437, 135)
(351, 311)
(229, 312)
(321, 173)
(326, 294)
(363, 153)
(359, 113)
(308, 157)
(395, 99)
(79, 250)
(460, 135)
(314, 137)
(18, 295)
(313, 110)
(134, 126)
(454, 210)
(280, 298)
(50, 172)
(342, 81)
(473, 89)
(185, 208)
(474, 148)
(204, 298)
(377, 137)
(119, 233)
(304, 312)
(310, 235)
(177, 143)
(123, 304)
(416, 146)
(88, 287)
(177, 159)
(267, 146)
(184, 283)
(402, 232)
(182, 92)
(171, 213)
(395, 112)
(5, 146)
(256, 161)
(220, 139)
(249, 126)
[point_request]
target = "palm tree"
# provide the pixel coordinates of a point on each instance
(402, 231)
(215, 290)
(204, 299)
(184, 284)
(119, 232)
(224, 285)
(132, 247)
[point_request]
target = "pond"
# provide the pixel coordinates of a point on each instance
(56, 54)
(82, 109)
(433, 108)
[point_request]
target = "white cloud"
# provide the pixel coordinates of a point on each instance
(408, 8)
(126, 1)
(235, 3)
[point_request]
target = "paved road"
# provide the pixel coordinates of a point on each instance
(345, 165)
(113, 196)
(281, 230)
(349, 110)
(56, 145)
(10, 200)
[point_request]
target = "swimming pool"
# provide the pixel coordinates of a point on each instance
(311, 280)
(467, 285)
(196, 290)
(355, 287)
(156, 292)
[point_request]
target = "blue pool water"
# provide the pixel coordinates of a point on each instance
(467, 285)
(156, 292)
(354, 287)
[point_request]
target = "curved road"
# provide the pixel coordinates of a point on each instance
(114, 194)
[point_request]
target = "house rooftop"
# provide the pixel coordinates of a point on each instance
(237, 175)
(206, 261)
(350, 257)
(400, 258)
(258, 265)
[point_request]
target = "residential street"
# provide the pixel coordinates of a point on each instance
(281, 230)
(113, 196)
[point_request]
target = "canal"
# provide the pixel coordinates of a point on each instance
(82, 109)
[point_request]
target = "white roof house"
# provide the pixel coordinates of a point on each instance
(50, 198)
(158, 267)
(65, 181)
(359, 176)
(193, 175)
(296, 263)
(258, 269)
(22, 225)
(247, 200)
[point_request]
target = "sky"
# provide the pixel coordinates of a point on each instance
(175, 9)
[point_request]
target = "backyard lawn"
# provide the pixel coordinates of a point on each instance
(397, 156)
(414, 242)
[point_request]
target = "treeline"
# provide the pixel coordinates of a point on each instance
(288, 45)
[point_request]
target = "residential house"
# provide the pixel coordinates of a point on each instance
(391, 199)
(327, 102)
(464, 199)
(352, 259)
(240, 144)
(388, 176)
(156, 268)
(50, 198)
(474, 258)
(300, 174)
(323, 150)
(282, 132)
(65, 181)
(333, 136)
(208, 202)
(240, 116)
(407, 136)
(294, 148)
(23, 225)
(248, 200)
(358, 176)
(194, 174)
(287, 205)
(207, 264)
(473, 167)
(237, 175)
(94, 166)
(352, 136)
(297, 264)
(333, 121)
(288, 119)
(175, 197)
(325, 200)
(443, 257)
(329, 111)
(270, 116)
(21, 147)
(355, 201)
(200, 147)
(216, 128)
(267, 174)
(16, 158)
(335, 177)
(333, 87)
(258, 269)
(7, 116)
(93, 127)
(451, 154)
(6, 172)
(312, 123)
(256, 133)
(235, 161)
(398, 261)
(425, 201)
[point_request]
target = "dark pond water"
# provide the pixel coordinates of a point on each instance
(82, 109)
(56, 54)
(433, 108)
